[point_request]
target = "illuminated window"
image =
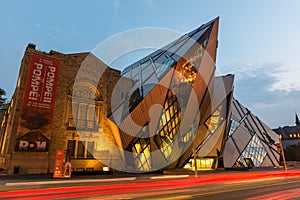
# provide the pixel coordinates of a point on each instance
(140, 148)
(188, 71)
(291, 135)
(254, 153)
(168, 125)
(202, 164)
(187, 137)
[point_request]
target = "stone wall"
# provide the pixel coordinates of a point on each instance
(70, 64)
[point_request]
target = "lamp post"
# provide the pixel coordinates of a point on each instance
(282, 152)
(194, 151)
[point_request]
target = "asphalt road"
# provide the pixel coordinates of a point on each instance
(233, 185)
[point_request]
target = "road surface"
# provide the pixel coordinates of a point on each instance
(227, 185)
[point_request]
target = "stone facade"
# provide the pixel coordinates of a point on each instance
(66, 130)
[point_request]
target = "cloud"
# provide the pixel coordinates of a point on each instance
(283, 78)
(287, 80)
(271, 91)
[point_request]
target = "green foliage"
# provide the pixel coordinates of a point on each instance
(2, 98)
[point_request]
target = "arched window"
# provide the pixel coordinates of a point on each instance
(83, 107)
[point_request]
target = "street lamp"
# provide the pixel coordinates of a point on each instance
(282, 152)
(194, 150)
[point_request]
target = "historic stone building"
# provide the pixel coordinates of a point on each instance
(290, 136)
(36, 126)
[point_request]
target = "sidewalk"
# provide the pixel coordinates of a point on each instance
(166, 173)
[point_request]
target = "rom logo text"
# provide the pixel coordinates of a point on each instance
(25, 145)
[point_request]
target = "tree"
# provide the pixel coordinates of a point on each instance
(2, 97)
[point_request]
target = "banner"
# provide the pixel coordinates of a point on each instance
(38, 105)
(58, 165)
(68, 169)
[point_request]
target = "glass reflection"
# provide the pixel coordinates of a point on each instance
(253, 155)
(141, 151)
(168, 125)
(217, 118)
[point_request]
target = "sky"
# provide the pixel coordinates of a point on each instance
(258, 40)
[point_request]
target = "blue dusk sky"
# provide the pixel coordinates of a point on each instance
(259, 41)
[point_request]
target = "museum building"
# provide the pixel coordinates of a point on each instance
(165, 111)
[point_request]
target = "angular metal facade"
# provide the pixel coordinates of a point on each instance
(159, 125)
(167, 92)
(209, 141)
(250, 143)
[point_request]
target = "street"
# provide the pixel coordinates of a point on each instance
(279, 184)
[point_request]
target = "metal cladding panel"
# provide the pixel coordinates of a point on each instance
(267, 162)
(213, 45)
(249, 127)
(116, 133)
(177, 57)
(240, 109)
(219, 90)
(270, 147)
(241, 137)
(137, 119)
(204, 87)
(253, 125)
(274, 136)
(234, 113)
(272, 154)
(230, 153)
(201, 132)
(223, 86)
(213, 144)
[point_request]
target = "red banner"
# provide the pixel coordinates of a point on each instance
(41, 83)
(58, 165)
(38, 104)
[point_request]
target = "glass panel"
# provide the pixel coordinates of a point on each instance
(140, 148)
(162, 68)
(141, 154)
(217, 118)
(253, 154)
(169, 120)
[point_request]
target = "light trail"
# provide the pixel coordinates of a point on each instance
(146, 187)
